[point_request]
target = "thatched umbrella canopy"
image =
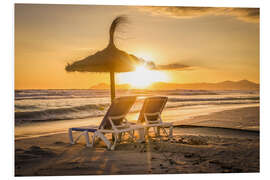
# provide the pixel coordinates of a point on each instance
(111, 59)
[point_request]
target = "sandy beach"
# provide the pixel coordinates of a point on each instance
(201, 144)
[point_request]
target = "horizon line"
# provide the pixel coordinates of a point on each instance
(126, 84)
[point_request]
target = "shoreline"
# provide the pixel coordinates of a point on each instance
(38, 129)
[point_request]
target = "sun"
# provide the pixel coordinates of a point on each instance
(142, 77)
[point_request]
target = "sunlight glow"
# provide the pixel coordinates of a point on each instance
(142, 77)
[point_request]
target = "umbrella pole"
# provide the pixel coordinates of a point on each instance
(112, 86)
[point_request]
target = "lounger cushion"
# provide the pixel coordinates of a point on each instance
(119, 107)
(152, 105)
(118, 122)
(152, 119)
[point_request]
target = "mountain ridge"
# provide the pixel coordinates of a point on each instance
(224, 85)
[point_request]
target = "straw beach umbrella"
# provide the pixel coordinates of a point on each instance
(111, 59)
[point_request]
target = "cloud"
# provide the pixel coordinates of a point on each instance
(174, 66)
(251, 15)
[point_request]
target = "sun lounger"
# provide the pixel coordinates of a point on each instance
(150, 116)
(114, 122)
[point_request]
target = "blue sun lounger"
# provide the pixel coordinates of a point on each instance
(114, 122)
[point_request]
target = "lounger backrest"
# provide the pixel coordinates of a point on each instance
(119, 107)
(152, 105)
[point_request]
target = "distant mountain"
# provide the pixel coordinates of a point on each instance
(243, 84)
(100, 86)
(225, 85)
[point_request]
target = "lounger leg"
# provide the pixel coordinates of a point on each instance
(155, 131)
(106, 141)
(115, 141)
(147, 132)
(120, 136)
(87, 139)
(93, 139)
(70, 136)
(96, 139)
(112, 137)
(158, 132)
(141, 134)
(131, 133)
(165, 132)
(171, 132)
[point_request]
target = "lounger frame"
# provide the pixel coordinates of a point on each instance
(117, 131)
(157, 124)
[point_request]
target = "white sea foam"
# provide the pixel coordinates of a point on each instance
(48, 105)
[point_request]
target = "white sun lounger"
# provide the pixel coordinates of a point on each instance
(150, 116)
(114, 122)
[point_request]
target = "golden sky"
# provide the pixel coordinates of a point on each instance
(215, 44)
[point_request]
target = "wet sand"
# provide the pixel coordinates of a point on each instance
(196, 148)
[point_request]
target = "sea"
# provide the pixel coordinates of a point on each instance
(55, 105)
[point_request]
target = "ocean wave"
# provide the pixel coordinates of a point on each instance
(91, 110)
(61, 113)
(49, 107)
(191, 92)
(53, 97)
(210, 103)
(213, 99)
(58, 94)
(25, 107)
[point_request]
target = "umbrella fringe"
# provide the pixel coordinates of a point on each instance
(115, 25)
